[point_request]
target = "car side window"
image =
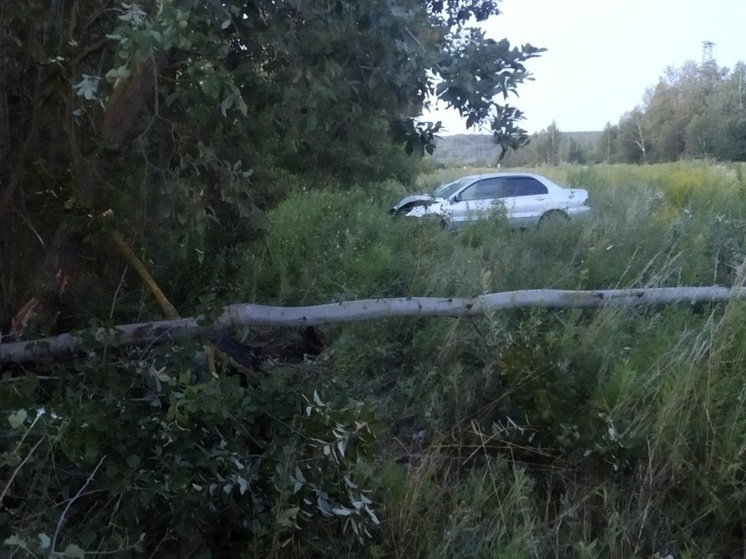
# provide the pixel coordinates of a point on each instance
(523, 186)
(485, 189)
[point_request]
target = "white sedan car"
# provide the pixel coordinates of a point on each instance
(525, 198)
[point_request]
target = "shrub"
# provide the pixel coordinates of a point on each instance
(137, 457)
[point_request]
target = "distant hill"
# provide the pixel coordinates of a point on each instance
(467, 149)
(478, 149)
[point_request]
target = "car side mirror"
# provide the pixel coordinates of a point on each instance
(456, 198)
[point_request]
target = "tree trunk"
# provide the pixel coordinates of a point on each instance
(123, 110)
(355, 311)
(60, 269)
(7, 229)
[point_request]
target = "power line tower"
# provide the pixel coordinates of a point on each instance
(707, 48)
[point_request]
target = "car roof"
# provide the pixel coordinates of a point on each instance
(501, 175)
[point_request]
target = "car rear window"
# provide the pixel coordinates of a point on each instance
(523, 186)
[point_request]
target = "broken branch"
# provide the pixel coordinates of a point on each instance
(353, 311)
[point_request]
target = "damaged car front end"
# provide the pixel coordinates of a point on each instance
(435, 204)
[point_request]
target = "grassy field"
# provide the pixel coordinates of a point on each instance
(610, 433)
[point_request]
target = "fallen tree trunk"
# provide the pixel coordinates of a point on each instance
(354, 311)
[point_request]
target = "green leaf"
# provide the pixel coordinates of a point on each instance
(226, 104)
(373, 516)
(17, 419)
(112, 75)
(242, 107)
(73, 551)
(91, 452)
(15, 541)
(288, 516)
(342, 511)
(172, 97)
(44, 541)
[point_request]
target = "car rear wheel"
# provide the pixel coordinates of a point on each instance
(553, 216)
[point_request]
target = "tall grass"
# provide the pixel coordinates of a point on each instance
(609, 433)
(649, 227)
(587, 448)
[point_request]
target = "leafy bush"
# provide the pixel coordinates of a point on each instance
(141, 458)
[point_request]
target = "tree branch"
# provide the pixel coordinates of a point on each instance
(354, 311)
(168, 309)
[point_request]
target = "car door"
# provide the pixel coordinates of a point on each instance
(525, 199)
(476, 200)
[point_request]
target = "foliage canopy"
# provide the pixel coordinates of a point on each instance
(695, 111)
(185, 118)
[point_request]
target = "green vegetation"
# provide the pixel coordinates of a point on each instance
(177, 124)
(599, 433)
(166, 158)
(696, 111)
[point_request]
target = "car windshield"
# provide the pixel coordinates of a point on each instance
(450, 188)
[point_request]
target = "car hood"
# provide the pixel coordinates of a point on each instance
(407, 204)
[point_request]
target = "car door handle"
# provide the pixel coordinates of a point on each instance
(541, 197)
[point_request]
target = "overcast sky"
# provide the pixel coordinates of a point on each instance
(603, 54)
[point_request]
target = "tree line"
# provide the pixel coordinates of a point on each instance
(695, 111)
(550, 146)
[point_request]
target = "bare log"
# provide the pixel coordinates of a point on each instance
(355, 311)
